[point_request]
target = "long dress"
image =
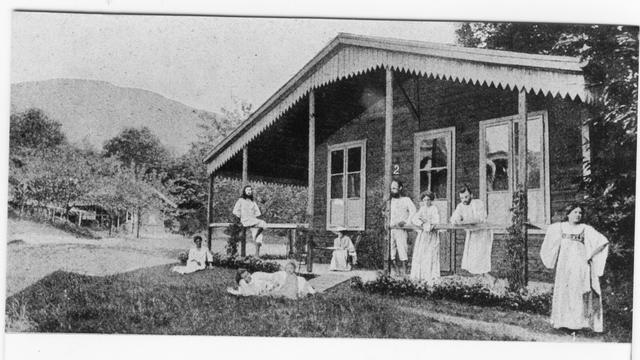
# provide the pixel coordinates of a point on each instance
(579, 254)
(476, 256)
(343, 248)
(425, 262)
(195, 261)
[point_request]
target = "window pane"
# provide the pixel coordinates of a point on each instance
(337, 161)
(436, 181)
(353, 185)
(534, 153)
(433, 153)
(336, 187)
(353, 159)
(497, 155)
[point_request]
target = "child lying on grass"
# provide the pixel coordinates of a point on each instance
(279, 284)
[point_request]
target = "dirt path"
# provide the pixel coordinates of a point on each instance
(498, 329)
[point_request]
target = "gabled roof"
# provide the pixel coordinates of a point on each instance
(349, 55)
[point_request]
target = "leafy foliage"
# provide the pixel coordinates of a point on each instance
(516, 244)
(33, 129)
(250, 263)
(138, 149)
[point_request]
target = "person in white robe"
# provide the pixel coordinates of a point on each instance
(196, 260)
(401, 211)
(342, 249)
(476, 256)
(248, 211)
(578, 253)
(425, 262)
(278, 284)
(256, 284)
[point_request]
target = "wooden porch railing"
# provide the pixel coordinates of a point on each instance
(290, 227)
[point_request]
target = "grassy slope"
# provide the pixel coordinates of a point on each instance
(155, 301)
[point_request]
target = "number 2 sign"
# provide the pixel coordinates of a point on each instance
(396, 169)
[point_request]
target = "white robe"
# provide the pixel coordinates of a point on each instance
(197, 260)
(579, 254)
(425, 262)
(344, 247)
(476, 257)
(273, 284)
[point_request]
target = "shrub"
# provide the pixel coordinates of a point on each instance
(235, 236)
(457, 290)
(250, 263)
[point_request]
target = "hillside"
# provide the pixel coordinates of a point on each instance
(95, 111)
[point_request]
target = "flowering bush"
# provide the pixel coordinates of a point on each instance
(466, 290)
(250, 263)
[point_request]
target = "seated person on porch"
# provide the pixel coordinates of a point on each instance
(476, 257)
(197, 259)
(247, 210)
(342, 249)
(279, 284)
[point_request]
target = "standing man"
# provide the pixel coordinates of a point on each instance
(247, 210)
(476, 257)
(401, 211)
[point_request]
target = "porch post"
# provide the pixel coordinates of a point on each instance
(245, 165)
(210, 211)
(522, 172)
(388, 138)
(312, 156)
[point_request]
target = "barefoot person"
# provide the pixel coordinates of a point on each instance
(197, 259)
(402, 209)
(476, 257)
(425, 262)
(578, 252)
(247, 210)
(343, 248)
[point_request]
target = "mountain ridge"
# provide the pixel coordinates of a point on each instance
(94, 111)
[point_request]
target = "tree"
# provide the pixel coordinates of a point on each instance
(142, 152)
(139, 149)
(33, 129)
(187, 179)
(611, 57)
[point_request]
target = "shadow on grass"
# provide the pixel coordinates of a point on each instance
(157, 301)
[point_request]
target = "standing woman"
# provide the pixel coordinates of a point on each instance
(578, 252)
(247, 210)
(425, 262)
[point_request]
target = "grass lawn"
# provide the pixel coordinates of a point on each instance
(156, 301)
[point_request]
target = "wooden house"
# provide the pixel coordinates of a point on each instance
(366, 110)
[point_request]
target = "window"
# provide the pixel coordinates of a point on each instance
(499, 158)
(433, 154)
(346, 184)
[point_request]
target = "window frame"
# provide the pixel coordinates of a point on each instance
(545, 181)
(345, 146)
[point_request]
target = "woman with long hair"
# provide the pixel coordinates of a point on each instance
(578, 252)
(425, 262)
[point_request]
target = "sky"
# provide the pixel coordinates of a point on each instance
(204, 62)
